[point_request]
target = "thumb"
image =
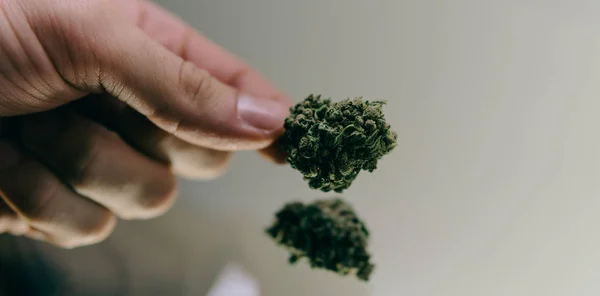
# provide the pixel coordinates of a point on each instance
(185, 100)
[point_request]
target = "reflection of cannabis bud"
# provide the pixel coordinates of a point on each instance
(331, 142)
(326, 232)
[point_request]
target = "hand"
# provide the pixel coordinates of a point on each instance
(102, 102)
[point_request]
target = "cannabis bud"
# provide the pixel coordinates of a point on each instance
(326, 232)
(331, 142)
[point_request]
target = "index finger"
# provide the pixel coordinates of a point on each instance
(181, 39)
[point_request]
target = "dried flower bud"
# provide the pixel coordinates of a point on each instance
(331, 142)
(326, 232)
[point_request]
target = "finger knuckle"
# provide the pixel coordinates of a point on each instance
(157, 198)
(198, 84)
(55, 30)
(100, 230)
(208, 165)
(217, 167)
(194, 162)
(92, 233)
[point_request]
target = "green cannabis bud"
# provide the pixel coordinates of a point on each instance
(331, 142)
(326, 232)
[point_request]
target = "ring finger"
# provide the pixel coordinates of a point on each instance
(37, 204)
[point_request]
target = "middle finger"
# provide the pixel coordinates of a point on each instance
(185, 159)
(98, 164)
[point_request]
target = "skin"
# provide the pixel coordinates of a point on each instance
(104, 102)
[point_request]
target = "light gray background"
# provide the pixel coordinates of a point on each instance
(493, 190)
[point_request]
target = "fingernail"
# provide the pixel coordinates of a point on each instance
(262, 113)
(39, 127)
(9, 157)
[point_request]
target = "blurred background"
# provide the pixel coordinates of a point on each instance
(493, 189)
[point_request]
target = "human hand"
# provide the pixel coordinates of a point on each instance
(102, 102)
